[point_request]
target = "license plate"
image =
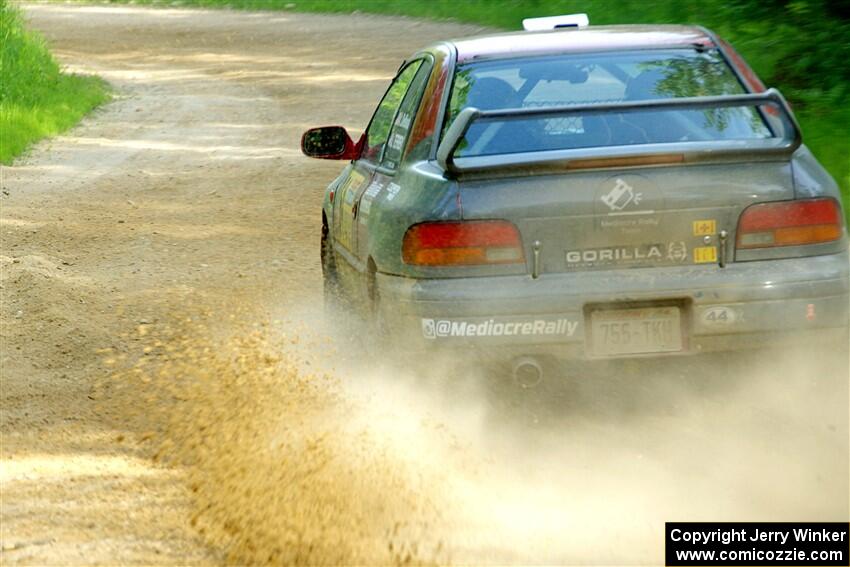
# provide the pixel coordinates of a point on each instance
(636, 331)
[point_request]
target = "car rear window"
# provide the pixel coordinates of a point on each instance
(565, 80)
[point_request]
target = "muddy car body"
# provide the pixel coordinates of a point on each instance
(605, 192)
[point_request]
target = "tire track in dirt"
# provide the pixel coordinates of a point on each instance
(189, 188)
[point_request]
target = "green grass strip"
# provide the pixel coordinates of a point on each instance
(36, 98)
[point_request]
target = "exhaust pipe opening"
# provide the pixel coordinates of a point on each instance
(527, 372)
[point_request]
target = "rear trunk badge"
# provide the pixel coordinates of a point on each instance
(627, 195)
(621, 196)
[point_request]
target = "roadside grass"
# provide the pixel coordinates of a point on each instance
(36, 98)
(799, 46)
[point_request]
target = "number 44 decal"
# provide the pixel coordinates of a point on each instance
(719, 316)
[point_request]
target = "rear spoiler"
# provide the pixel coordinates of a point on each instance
(639, 154)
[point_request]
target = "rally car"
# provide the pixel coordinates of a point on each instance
(585, 192)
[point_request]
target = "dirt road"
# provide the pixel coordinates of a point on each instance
(188, 187)
(167, 395)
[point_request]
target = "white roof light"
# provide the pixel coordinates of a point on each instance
(555, 22)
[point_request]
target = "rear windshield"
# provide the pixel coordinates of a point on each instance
(594, 78)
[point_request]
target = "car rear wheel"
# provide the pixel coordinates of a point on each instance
(380, 335)
(334, 301)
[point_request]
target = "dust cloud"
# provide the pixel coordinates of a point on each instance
(304, 447)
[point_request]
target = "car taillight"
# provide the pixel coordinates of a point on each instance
(790, 223)
(463, 243)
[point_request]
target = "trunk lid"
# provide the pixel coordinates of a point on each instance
(641, 217)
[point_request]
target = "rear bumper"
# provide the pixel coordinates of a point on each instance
(764, 304)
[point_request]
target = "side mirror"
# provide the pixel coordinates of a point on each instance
(329, 142)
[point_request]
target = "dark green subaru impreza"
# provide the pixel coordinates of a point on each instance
(585, 193)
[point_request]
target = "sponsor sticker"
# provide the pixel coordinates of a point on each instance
(494, 327)
(350, 186)
(348, 193)
(621, 196)
(677, 252)
(396, 141)
(373, 190)
(403, 121)
(367, 198)
(639, 222)
(392, 191)
(673, 251)
(627, 196)
(705, 254)
(705, 227)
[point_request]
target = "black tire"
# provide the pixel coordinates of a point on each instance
(380, 334)
(334, 300)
